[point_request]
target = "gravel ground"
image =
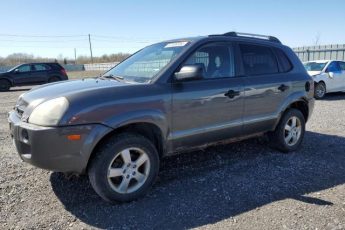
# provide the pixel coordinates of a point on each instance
(244, 185)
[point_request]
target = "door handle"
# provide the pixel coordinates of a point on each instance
(232, 93)
(283, 87)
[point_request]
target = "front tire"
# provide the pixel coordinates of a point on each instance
(4, 85)
(124, 168)
(320, 90)
(289, 133)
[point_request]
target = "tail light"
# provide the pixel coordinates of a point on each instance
(63, 71)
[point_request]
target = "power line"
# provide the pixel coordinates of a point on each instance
(123, 41)
(67, 42)
(48, 47)
(122, 37)
(41, 36)
(52, 41)
(80, 35)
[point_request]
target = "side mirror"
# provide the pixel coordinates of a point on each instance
(190, 72)
(331, 74)
(16, 71)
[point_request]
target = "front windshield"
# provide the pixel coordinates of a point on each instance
(314, 66)
(10, 70)
(144, 65)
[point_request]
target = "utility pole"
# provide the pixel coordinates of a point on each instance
(90, 49)
(75, 56)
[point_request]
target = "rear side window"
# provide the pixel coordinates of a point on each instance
(55, 65)
(283, 60)
(258, 60)
(40, 67)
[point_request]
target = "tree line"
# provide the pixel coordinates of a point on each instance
(20, 58)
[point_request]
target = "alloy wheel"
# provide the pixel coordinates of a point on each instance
(320, 90)
(293, 131)
(128, 170)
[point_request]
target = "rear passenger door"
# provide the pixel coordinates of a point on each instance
(266, 88)
(39, 73)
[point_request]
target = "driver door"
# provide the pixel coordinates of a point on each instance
(342, 68)
(22, 75)
(336, 77)
(203, 111)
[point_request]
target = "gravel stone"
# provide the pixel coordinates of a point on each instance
(244, 185)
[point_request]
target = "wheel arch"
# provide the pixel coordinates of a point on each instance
(320, 81)
(8, 79)
(149, 130)
(54, 76)
(300, 103)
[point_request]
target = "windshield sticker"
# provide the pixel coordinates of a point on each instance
(175, 44)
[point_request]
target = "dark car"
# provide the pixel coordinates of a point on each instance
(167, 98)
(32, 74)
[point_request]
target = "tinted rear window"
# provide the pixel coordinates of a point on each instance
(284, 62)
(258, 60)
(40, 67)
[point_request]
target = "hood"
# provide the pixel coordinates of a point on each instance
(29, 100)
(314, 73)
(65, 88)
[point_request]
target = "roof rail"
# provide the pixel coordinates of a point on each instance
(258, 36)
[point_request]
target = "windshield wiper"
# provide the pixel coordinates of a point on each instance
(118, 78)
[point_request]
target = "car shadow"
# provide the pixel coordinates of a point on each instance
(334, 96)
(17, 89)
(204, 187)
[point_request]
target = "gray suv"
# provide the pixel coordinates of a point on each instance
(167, 98)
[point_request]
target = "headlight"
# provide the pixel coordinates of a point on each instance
(49, 113)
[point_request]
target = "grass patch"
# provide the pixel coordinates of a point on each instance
(83, 74)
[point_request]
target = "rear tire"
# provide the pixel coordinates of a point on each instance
(124, 168)
(5, 85)
(320, 90)
(53, 79)
(289, 133)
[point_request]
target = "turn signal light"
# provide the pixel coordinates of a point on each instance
(74, 137)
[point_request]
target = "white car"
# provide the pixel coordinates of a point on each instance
(328, 75)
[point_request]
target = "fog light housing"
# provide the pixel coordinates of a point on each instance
(25, 136)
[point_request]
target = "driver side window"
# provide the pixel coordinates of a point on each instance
(216, 60)
(24, 68)
(333, 67)
(342, 66)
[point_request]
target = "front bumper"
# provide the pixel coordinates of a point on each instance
(49, 148)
